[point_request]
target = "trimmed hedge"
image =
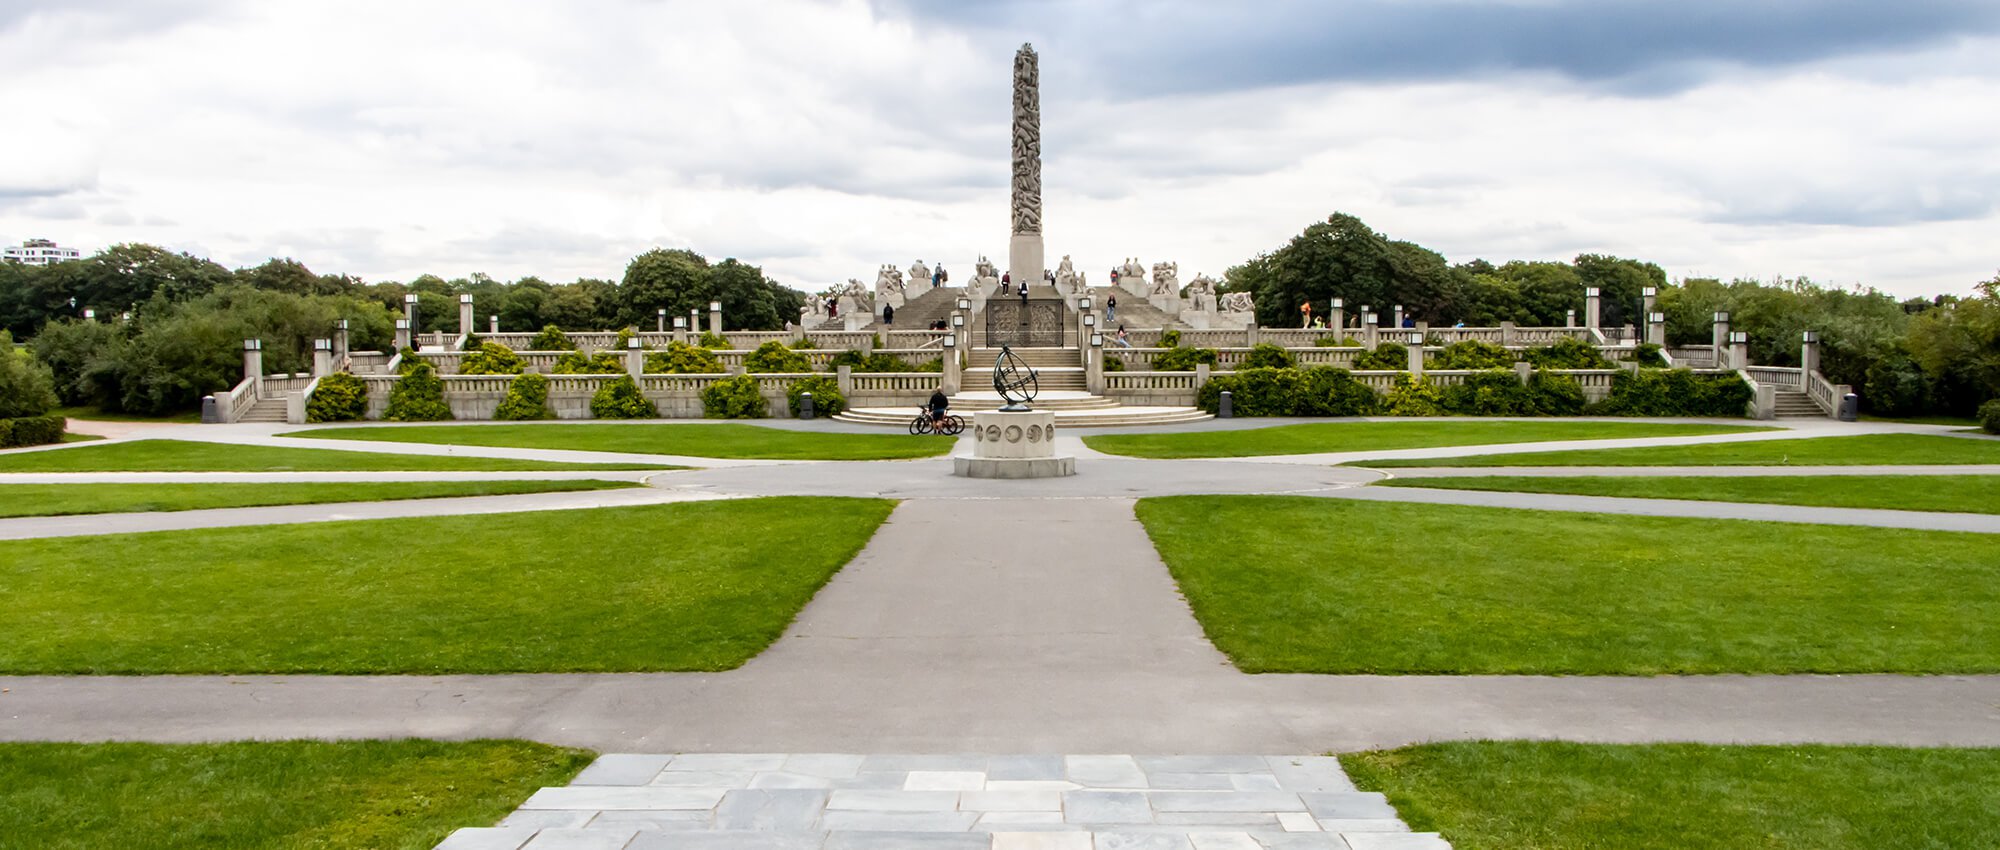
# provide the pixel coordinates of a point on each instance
(1470, 354)
(711, 339)
(601, 363)
(1264, 355)
(1501, 393)
(1183, 359)
(527, 399)
(827, 400)
(1313, 391)
(736, 398)
(773, 356)
(1387, 355)
(1567, 353)
(31, 431)
(681, 358)
(1648, 355)
(418, 396)
(1676, 392)
(620, 398)
(491, 358)
(340, 397)
(1989, 416)
(551, 339)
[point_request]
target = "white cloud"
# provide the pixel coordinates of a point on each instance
(821, 139)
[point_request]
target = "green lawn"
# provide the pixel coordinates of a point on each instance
(1955, 493)
(1862, 450)
(269, 795)
(185, 456)
(73, 437)
(719, 440)
(1311, 585)
(19, 500)
(1560, 796)
(185, 417)
(1317, 437)
(692, 586)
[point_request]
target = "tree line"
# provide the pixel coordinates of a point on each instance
(1905, 357)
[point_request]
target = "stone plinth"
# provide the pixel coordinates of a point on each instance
(1025, 258)
(1014, 445)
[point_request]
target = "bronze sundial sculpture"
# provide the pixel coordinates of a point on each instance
(1014, 380)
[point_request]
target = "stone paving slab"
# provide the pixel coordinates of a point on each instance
(1077, 802)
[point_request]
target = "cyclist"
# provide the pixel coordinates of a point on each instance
(937, 406)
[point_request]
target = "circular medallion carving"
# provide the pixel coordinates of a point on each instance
(1013, 433)
(993, 433)
(1034, 433)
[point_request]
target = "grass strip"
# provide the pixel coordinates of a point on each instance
(1860, 450)
(1320, 437)
(717, 440)
(1335, 586)
(269, 795)
(22, 500)
(1521, 795)
(1951, 493)
(188, 456)
(691, 586)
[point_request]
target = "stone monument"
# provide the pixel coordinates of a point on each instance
(1024, 250)
(1014, 441)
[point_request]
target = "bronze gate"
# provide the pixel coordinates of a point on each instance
(1036, 324)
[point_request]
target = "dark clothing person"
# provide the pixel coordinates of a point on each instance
(1006, 278)
(1111, 305)
(888, 315)
(938, 403)
(1024, 295)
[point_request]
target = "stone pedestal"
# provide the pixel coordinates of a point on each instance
(1014, 445)
(1025, 258)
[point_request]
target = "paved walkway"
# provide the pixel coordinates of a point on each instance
(1682, 471)
(954, 802)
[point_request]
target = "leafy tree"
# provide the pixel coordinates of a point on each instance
(677, 280)
(1619, 282)
(26, 387)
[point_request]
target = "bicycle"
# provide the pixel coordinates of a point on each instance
(947, 425)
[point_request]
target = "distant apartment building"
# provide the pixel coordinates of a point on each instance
(40, 252)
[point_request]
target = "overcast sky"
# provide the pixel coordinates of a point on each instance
(1851, 141)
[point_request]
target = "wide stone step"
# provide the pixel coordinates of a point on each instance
(952, 801)
(1092, 418)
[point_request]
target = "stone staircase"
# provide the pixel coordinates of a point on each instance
(1791, 404)
(265, 410)
(872, 802)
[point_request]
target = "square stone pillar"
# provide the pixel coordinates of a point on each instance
(1720, 334)
(1369, 332)
(1361, 316)
(661, 320)
(1523, 370)
(635, 359)
(680, 330)
(1739, 351)
(1200, 376)
(1416, 352)
(1338, 321)
(465, 315)
(253, 359)
(844, 377)
(402, 334)
(492, 324)
(322, 358)
(1507, 335)
(410, 312)
(1398, 317)
(953, 377)
(1251, 334)
(340, 347)
(715, 317)
(1809, 352)
(1649, 297)
(1093, 363)
(1593, 307)
(1656, 328)
(1569, 318)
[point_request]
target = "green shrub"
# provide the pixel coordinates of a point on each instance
(1264, 355)
(1170, 338)
(601, 363)
(85, 359)
(31, 431)
(1501, 393)
(935, 364)
(1113, 362)
(27, 388)
(1331, 341)
(1315, 391)
(1649, 355)
(1413, 396)
(473, 341)
(491, 358)
(1183, 359)
(619, 398)
(409, 362)
(1470, 354)
(624, 340)
(1567, 353)
(804, 343)
(551, 339)
(1386, 356)
(417, 397)
(1989, 416)
(855, 361)
(1676, 392)
(773, 356)
(1556, 395)
(681, 358)
(827, 400)
(713, 340)
(340, 397)
(527, 399)
(736, 398)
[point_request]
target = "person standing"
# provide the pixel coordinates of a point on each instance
(938, 276)
(1006, 278)
(888, 316)
(1024, 295)
(1305, 314)
(833, 308)
(1111, 304)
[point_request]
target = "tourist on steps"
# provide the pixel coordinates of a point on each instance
(1111, 304)
(888, 316)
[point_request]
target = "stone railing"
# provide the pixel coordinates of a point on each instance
(368, 362)
(232, 404)
(1763, 397)
(296, 400)
(544, 362)
(1781, 377)
(475, 397)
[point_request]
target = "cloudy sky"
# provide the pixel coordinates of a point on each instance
(1851, 141)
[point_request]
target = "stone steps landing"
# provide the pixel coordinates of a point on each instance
(834, 802)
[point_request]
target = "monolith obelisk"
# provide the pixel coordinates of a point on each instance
(1024, 250)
